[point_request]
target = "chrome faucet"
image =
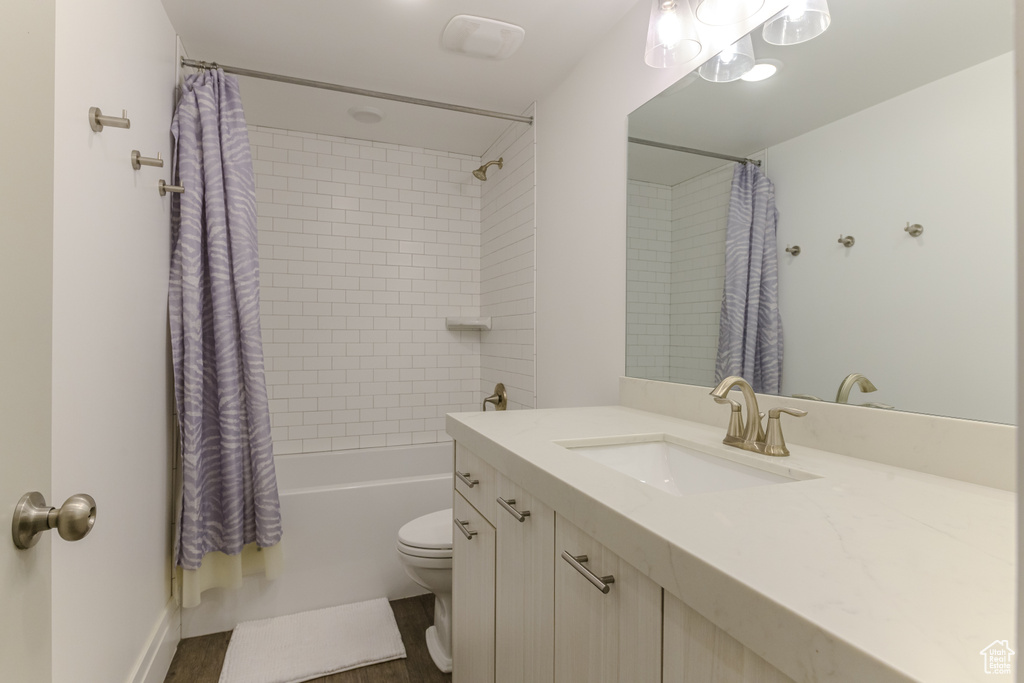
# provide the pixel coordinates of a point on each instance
(854, 378)
(749, 435)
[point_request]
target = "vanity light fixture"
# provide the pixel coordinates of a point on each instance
(731, 63)
(727, 12)
(798, 23)
(671, 35)
(762, 69)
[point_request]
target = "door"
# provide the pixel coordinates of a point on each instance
(607, 614)
(472, 595)
(26, 251)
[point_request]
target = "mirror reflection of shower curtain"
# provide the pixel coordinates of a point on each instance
(750, 331)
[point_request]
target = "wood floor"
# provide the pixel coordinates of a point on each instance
(198, 660)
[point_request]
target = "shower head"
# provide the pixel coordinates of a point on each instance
(481, 172)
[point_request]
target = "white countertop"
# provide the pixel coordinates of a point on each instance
(867, 573)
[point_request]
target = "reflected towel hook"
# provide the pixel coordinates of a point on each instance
(914, 230)
(846, 241)
(794, 250)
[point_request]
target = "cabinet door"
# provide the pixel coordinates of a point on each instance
(472, 596)
(697, 651)
(524, 601)
(603, 637)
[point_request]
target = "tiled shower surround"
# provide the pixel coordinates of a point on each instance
(676, 254)
(365, 249)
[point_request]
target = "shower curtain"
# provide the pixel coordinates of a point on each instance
(750, 332)
(228, 495)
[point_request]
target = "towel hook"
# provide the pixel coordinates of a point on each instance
(914, 230)
(97, 120)
(138, 161)
(794, 250)
(846, 241)
(165, 188)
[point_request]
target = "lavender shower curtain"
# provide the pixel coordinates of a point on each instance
(229, 488)
(750, 332)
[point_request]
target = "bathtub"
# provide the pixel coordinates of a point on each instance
(340, 512)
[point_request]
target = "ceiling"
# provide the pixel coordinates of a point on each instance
(391, 46)
(873, 51)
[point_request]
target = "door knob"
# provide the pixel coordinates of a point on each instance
(73, 520)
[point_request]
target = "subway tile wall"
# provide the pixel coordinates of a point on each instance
(675, 276)
(508, 228)
(365, 248)
(700, 210)
(648, 280)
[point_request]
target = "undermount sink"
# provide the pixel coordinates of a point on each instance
(678, 468)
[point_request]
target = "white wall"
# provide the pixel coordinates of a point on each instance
(1019, 150)
(365, 248)
(111, 392)
(508, 266)
(581, 208)
(927, 319)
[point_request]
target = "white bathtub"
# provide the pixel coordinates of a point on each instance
(341, 512)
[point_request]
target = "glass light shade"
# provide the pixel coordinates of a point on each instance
(801, 21)
(671, 34)
(727, 12)
(731, 63)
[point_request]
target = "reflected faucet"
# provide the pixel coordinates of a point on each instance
(847, 386)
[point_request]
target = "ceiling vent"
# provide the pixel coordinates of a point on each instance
(481, 37)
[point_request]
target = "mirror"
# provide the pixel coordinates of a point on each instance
(900, 114)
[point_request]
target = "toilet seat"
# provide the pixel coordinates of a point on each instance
(427, 536)
(423, 556)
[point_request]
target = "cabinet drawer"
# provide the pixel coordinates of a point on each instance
(476, 481)
(472, 595)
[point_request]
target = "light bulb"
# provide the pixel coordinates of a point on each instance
(728, 54)
(796, 10)
(670, 29)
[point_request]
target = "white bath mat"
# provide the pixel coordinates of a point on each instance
(300, 647)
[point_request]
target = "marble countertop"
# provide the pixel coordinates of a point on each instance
(867, 573)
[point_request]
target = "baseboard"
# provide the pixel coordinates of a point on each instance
(163, 641)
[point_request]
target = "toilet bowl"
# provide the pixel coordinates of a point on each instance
(425, 548)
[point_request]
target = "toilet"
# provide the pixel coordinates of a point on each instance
(425, 548)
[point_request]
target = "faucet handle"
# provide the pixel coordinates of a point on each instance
(773, 414)
(734, 434)
(775, 444)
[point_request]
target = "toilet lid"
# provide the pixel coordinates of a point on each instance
(429, 531)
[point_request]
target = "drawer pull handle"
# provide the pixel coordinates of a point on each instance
(466, 480)
(507, 504)
(468, 533)
(601, 583)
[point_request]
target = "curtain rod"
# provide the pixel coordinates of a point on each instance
(690, 150)
(198, 64)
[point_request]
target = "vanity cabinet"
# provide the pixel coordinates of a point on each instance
(697, 651)
(525, 576)
(603, 637)
(472, 595)
(537, 600)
